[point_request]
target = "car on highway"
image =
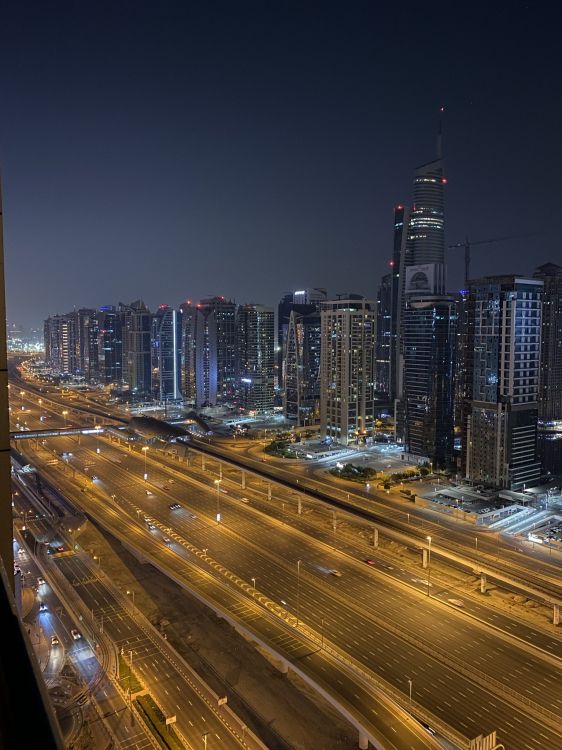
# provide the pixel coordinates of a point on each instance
(370, 561)
(167, 540)
(165, 487)
(60, 548)
(456, 602)
(148, 492)
(174, 506)
(336, 573)
(427, 727)
(40, 580)
(54, 640)
(75, 634)
(151, 526)
(42, 607)
(244, 500)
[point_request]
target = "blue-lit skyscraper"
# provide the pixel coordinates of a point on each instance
(166, 354)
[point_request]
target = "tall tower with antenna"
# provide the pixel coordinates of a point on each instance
(424, 409)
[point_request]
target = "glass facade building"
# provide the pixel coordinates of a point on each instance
(256, 357)
(166, 354)
(429, 366)
(504, 336)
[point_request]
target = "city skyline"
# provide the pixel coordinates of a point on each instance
(266, 145)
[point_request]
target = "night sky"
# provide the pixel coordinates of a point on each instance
(178, 150)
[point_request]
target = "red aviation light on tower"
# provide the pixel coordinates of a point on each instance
(444, 180)
(399, 207)
(391, 263)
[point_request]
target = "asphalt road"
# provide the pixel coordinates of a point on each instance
(254, 545)
(358, 609)
(178, 693)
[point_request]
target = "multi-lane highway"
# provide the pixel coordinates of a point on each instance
(390, 630)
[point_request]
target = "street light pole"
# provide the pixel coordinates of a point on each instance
(410, 682)
(145, 449)
(298, 590)
(218, 483)
(428, 563)
(253, 579)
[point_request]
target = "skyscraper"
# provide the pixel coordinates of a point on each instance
(429, 366)
(301, 400)
(347, 369)
(304, 302)
(60, 343)
(256, 357)
(383, 348)
(397, 264)
(110, 345)
(137, 353)
(222, 314)
(550, 382)
(209, 351)
(504, 335)
(166, 354)
(425, 414)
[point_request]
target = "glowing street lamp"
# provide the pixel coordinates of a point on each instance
(145, 449)
(428, 563)
(218, 483)
(64, 413)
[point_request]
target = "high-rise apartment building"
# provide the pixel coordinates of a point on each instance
(304, 302)
(110, 345)
(347, 369)
(136, 321)
(256, 357)
(83, 318)
(397, 264)
(429, 366)
(222, 321)
(504, 335)
(383, 349)
(209, 351)
(166, 354)
(60, 343)
(550, 382)
(301, 399)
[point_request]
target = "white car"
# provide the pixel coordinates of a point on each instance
(75, 634)
(336, 573)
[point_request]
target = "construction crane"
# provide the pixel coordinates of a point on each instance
(467, 244)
